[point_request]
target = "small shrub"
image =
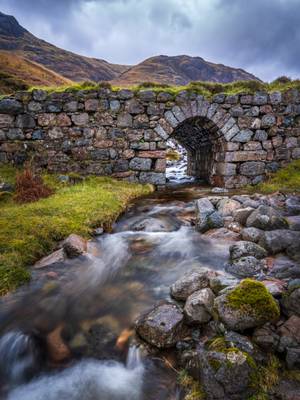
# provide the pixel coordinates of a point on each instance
(30, 187)
(149, 85)
(282, 80)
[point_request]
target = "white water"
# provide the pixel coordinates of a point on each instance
(88, 380)
(176, 171)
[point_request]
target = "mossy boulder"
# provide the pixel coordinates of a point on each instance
(248, 305)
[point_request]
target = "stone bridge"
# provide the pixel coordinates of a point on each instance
(231, 140)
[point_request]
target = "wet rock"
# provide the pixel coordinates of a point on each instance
(199, 306)
(239, 341)
(280, 240)
(190, 283)
(251, 296)
(57, 257)
(151, 224)
(227, 207)
(266, 218)
(207, 217)
(223, 375)
(58, 351)
(223, 234)
(245, 267)
(291, 302)
(241, 215)
(251, 234)
(220, 282)
(245, 249)
(162, 326)
(6, 187)
(74, 246)
(266, 337)
(275, 287)
(285, 268)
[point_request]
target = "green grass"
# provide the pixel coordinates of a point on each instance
(193, 389)
(207, 89)
(286, 179)
(30, 231)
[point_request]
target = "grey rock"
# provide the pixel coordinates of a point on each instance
(207, 217)
(245, 267)
(291, 302)
(279, 240)
(39, 95)
(245, 249)
(199, 306)
(25, 121)
(191, 282)
(266, 218)
(55, 258)
(241, 215)
(74, 246)
(161, 326)
(220, 282)
(260, 135)
(266, 337)
(252, 168)
(10, 106)
(154, 178)
(243, 136)
(239, 341)
(227, 207)
(140, 164)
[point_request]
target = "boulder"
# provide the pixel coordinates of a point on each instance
(266, 218)
(249, 305)
(227, 207)
(190, 283)
(206, 216)
(52, 259)
(280, 240)
(57, 349)
(223, 374)
(239, 341)
(223, 234)
(251, 234)
(74, 246)
(292, 204)
(266, 337)
(161, 326)
(245, 267)
(199, 306)
(245, 249)
(290, 341)
(285, 268)
(241, 215)
(220, 282)
(291, 302)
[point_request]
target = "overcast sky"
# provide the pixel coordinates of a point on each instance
(261, 36)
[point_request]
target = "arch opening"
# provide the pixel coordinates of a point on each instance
(198, 144)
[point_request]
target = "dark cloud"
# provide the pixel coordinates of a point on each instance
(261, 36)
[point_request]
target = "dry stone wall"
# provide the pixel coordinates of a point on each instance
(123, 134)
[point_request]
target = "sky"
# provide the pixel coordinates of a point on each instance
(260, 36)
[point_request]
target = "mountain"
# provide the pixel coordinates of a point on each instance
(180, 70)
(17, 73)
(177, 70)
(16, 39)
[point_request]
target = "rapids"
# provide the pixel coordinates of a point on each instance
(95, 299)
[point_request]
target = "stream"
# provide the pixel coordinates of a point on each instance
(93, 301)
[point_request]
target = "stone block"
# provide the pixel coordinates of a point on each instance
(227, 169)
(252, 168)
(124, 120)
(155, 178)
(80, 119)
(25, 121)
(91, 105)
(152, 154)
(140, 164)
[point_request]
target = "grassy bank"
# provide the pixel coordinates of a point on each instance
(30, 231)
(286, 179)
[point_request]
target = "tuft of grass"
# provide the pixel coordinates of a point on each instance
(30, 187)
(192, 388)
(253, 297)
(206, 89)
(286, 179)
(30, 231)
(265, 378)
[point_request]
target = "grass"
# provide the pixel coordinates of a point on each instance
(286, 179)
(173, 155)
(192, 388)
(30, 231)
(207, 89)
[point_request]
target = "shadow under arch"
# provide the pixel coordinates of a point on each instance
(202, 139)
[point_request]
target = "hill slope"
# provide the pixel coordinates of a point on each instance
(180, 70)
(17, 73)
(16, 39)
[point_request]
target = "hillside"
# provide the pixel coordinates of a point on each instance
(17, 73)
(180, 70)
(16, 39)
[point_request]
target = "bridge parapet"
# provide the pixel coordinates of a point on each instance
(231, 140)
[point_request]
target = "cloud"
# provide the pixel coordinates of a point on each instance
(261, 36)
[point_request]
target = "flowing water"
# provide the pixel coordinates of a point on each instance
(92, 302)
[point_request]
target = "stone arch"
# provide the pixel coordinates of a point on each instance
(204, 129)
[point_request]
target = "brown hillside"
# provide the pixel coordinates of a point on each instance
(17, 73)
(16, 39)
(180, 70)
